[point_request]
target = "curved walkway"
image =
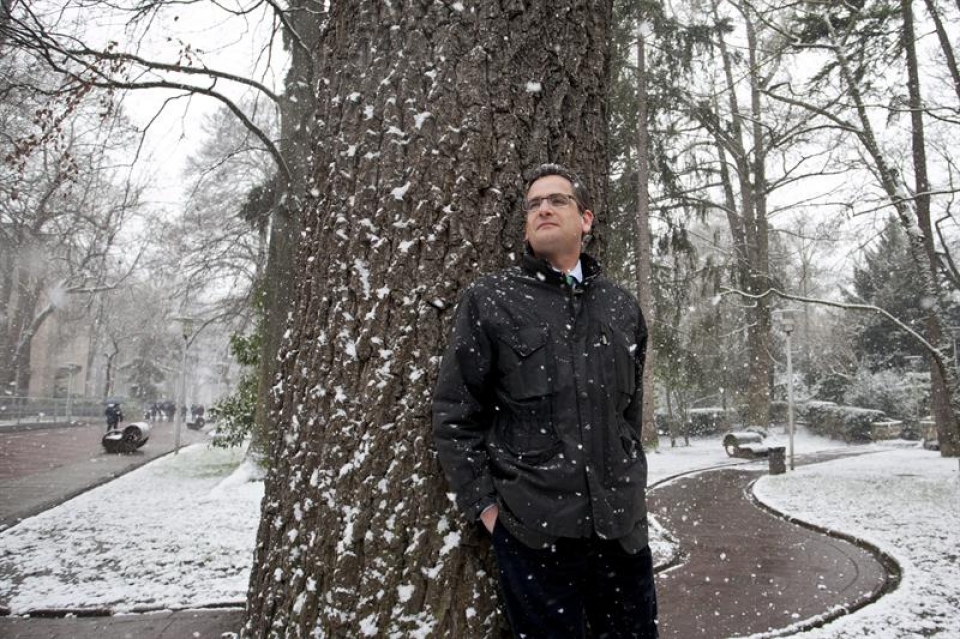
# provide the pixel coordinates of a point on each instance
(747, 571)
(743, 571)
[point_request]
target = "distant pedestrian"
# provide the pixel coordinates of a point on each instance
(114, 416)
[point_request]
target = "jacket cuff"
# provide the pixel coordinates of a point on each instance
(474, 497)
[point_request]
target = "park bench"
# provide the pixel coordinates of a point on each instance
(127, 439)
(747, 444)
(890, 429)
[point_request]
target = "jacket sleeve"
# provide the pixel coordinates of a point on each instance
(463, 410)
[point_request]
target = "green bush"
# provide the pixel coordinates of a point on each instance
(235, 414)
(849, 423)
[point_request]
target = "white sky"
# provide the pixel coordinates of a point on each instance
(225, 43)
(194, 543)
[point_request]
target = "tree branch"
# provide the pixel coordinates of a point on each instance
(934, 352)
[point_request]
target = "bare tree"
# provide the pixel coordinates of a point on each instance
(849, 34)
(61, 210)
(55, 35)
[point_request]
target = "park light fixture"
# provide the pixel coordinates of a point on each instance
(186, 331)
(788, 325)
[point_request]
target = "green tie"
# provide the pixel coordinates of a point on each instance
(570, 280)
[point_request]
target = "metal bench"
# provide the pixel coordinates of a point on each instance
(746, 444)
(126, 439)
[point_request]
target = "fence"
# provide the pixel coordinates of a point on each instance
(38, 410)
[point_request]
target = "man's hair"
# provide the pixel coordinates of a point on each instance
(579, 190)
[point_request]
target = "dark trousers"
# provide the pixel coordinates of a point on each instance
(556, 592)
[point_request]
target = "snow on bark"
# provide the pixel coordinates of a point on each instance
(419, 179)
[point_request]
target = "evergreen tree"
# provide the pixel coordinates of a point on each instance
(888, 278)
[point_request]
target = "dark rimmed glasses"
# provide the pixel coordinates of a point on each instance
(556, 200)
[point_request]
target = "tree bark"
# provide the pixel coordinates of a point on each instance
(428, 114)
(944, 416)
(302, 29)
(643, 243)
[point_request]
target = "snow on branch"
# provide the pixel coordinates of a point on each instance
(935, 352)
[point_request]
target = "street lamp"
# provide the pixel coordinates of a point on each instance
(915, 363)
(787, 324)
(186, 331)
(71, 369)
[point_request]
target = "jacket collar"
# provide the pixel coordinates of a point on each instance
(540, 267)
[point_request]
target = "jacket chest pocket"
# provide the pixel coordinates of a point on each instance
(524, 365)
(525, 413)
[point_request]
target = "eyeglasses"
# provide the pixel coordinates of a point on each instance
(556, 200)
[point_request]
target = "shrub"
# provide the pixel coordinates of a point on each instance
(707, 421)
(235, 413)
(892, 392)
(849, 423)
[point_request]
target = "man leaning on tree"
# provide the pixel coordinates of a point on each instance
(536, 420)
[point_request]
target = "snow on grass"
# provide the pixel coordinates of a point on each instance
(170, 534)
(707, 452)
(180, 532)
(907, 503)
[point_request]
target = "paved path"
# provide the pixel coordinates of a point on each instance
(41, 468)
(187, 624)
(746, 570)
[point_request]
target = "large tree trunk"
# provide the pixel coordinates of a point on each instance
(297, 110)
(428, 113)
(943, 413)
(643, 243)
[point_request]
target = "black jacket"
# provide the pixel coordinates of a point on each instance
(537, 407)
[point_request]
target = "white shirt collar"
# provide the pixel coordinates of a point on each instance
(576, 271)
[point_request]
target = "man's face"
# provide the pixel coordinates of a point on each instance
(554, 229)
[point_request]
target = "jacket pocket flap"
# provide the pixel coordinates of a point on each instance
(526, 341)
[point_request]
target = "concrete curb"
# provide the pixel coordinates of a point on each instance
(62, 613)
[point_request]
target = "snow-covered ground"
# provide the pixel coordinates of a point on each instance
(180, 532)
(907, 503)
(173, 534)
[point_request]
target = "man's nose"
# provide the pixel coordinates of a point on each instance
(545, 207)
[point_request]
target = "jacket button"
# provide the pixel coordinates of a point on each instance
(583, 394)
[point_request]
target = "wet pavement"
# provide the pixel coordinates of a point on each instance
(743, 570)
(186, 624)
(746, 570)
(43, 467)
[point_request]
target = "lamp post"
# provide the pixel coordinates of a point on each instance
(71, 371)
(186, 331)
(788, 325)
(916, 362)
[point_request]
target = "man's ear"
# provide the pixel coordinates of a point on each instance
(586, 221)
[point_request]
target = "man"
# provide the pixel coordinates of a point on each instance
(536, 421)
(114, 416)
